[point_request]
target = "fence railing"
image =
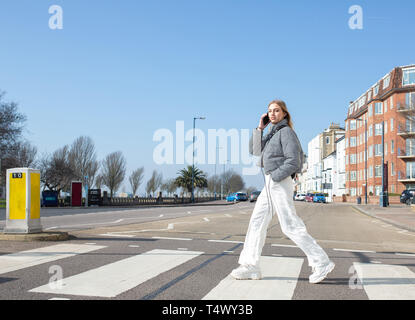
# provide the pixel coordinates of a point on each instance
(138, 201)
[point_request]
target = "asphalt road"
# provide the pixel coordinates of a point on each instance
(183, 253)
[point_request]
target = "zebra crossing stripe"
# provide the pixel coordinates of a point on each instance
(115, 278)
(24, 259)
(279, 279)
(386, 282)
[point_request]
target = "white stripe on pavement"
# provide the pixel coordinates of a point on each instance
(353, 250)
(115, 278)
(279, 279)
(386, 282)
(30, 258)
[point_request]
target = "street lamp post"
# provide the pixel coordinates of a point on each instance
(365, 158)
(383, 196)
(193, 164)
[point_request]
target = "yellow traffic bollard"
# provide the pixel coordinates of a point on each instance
(23, 201)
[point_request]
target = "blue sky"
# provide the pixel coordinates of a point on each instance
(120, 70)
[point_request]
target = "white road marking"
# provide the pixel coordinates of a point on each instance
(167, 238)
(405, 254)
(228, 215)
(279, 279)
(206, 219)
(386, 282)
(133, 246)
(115, 278)
(225, 241)
(353, 250)
(59, 299)
(284, 245)
(117, 235)
(30, 258)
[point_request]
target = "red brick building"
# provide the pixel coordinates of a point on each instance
(391, 102)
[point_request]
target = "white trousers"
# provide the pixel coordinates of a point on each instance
(280, 201)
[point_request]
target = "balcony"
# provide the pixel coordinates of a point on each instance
(410, 155)
(406, 131)
(405, 178)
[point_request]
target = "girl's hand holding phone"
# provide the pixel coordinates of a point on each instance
(263, 123)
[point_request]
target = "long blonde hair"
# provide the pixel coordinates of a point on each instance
(283, 107)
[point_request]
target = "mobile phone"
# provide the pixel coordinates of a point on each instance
(266, 120)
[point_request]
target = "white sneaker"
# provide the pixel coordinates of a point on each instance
(246, 272)
(320, 273)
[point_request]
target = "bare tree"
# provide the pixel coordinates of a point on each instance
(11, 128)
(113, 171)
(20, 155)
(83, 160)
(232, 181)
(135, 179)
(169, 186)
(154, 183)
(56, 172)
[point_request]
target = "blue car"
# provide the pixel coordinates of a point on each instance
(319, 197)
(237, 196)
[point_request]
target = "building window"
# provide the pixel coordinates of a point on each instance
(386, 127)
(352, 124)
(371, 151)
(378, 171)
(370, 131)
(369, 95)
(410, 125)
(391, 124)
(391, 102)
(410, 147)
(378, 190)
(410, 100)
(378, 149)
(378, 108)
(410, 170)
(409, 77)
(375, 91)
(352, 175)
(347, 125)
(386, 105)
(353, 141)
(386, 82)
(378, 129)
(371, 172)
(327, 140)
(353, 158)
(392, 146)
(392, 169)
(370, 110)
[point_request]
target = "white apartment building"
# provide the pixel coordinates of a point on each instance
(339, 188)
(314, 166)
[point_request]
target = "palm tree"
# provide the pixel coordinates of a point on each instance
(185, 179)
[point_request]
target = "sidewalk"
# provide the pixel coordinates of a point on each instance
(399, 215)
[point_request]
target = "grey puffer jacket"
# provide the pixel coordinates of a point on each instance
(281, 155)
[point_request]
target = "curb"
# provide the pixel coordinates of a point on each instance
(402, 226)
(43, 236)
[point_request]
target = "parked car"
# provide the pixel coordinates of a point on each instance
(300, 197)
(309, 197)
(407, 195)
(319, 197)
(237, 196)
(254, 195)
